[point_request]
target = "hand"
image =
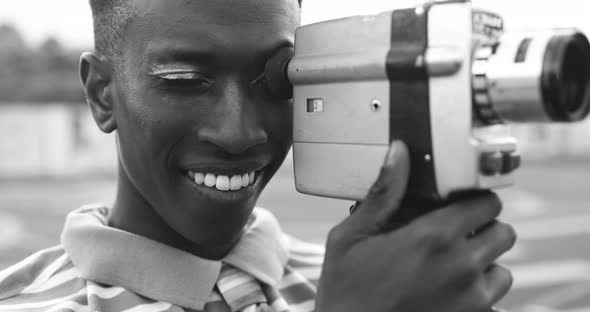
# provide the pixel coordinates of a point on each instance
(434, 263)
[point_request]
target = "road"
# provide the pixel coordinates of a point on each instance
(549, 208)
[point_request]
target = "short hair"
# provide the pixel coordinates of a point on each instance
(110, 17)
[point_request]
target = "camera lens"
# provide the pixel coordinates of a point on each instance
(565, 80)
(575, 78)
(540, 76)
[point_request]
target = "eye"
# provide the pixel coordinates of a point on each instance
(185, 81)
(179, 76)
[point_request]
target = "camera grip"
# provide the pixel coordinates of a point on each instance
(413, 207)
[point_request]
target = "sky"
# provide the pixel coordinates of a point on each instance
(70, 21)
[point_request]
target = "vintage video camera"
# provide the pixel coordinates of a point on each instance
(443, 77)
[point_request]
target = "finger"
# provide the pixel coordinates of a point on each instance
(492, 242)
(465, 216)
(497, 282)
(384, 197)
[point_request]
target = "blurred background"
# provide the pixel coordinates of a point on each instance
(53, 158)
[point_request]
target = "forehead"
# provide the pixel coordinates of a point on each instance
(218, 25)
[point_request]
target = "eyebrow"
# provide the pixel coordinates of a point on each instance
(181, 56)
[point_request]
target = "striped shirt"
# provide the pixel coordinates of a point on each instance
(100, 268)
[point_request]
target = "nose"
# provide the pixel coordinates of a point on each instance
(235, 124)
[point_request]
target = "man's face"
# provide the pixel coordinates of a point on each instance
(191, 102)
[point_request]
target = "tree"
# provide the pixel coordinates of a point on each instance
(11, 39)
(46, 74)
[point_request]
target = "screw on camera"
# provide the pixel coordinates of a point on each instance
(376, 105)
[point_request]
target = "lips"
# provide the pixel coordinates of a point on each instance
(224, 181)
(225, 168)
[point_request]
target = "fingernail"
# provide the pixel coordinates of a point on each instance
(391, 158)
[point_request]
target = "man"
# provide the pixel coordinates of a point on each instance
(199, 137)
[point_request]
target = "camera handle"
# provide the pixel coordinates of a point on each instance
(414, 207)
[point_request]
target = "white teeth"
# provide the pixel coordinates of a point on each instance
(222, 183)
(245, 180)
(199, 178)
(235, 183)
(210, 180)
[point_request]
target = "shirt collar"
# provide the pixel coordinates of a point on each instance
(110, 256)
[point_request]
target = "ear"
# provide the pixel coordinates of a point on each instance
(96, 77)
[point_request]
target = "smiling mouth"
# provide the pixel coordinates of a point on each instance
(223, 183)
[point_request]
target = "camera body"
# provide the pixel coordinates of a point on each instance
(442, 77)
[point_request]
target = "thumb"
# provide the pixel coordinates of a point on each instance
(384, 198)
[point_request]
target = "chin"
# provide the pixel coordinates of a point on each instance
(209, 222)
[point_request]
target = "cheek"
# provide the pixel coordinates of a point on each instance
(149, 132)
(153, 117)
(145, 122)
(148, 129)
